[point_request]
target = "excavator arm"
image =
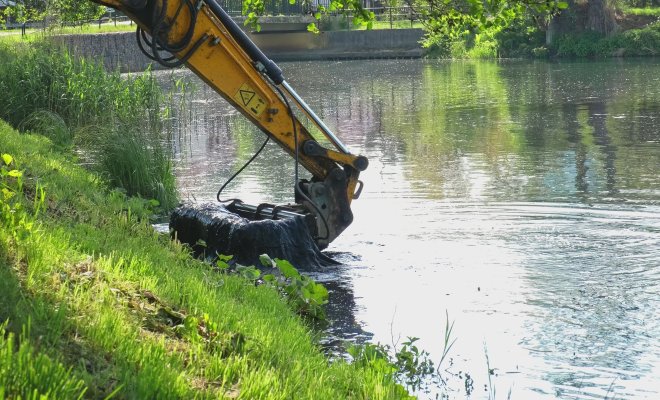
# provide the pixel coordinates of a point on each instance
(201, 35)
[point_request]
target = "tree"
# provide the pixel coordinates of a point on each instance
(253, 9)
(26, 10)
(77, 10)
(449, 19)
(583, 16)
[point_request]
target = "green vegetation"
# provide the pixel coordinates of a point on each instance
(115, 121)
(98, 304)
(634, 42)
(86, 28)
(646, 11)
(527, 41)
(476, 29)
(29, 374)
(56, 11)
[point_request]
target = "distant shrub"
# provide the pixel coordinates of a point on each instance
(634, 42)
(520, 39)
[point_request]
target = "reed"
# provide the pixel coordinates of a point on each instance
(115, 121)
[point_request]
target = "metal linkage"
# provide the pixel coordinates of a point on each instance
(324, 128)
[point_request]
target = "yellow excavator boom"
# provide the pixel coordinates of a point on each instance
(201, 35)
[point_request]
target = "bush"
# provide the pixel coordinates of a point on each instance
(588, 44)
(520, 39)
(642, 42)
(634, 42)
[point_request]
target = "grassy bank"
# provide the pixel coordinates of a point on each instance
(98, 304)
(115, 122)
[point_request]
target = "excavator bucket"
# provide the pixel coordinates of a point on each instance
(212, 230)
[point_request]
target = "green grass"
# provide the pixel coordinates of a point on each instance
(646, 11)
(29, 374)
(35, 33)
(94, 28)
(115, 121)
(403, 24)
(112, 304)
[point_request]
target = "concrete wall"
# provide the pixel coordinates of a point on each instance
(120, 50)
(382, 43)
(116, 50)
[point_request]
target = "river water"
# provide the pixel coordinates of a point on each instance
(520, 199)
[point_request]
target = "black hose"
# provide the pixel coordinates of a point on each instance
(160, 30)
(239, 171)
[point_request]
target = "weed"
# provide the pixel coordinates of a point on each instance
(409, 364)
(305, 296)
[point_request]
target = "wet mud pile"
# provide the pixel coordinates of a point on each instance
(211, 229)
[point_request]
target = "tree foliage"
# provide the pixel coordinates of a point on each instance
(253, 9)
(77, 10)
(24, 11)
(449, 19)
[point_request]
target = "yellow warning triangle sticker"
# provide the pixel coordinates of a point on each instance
(246, 96)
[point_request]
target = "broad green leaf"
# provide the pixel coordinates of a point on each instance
(288, 270)
(250, 272)
(266, 261)
(7, 194)
(312, 28)
(224, 258)
(562, 5)
(7, 159)
(15, 173)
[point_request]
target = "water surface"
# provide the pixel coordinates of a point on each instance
(520, 198)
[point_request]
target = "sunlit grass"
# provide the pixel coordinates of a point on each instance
(28, 374)
(647, 11)
(32, 33)
(106, 27)
(400, 24)
(113, 304)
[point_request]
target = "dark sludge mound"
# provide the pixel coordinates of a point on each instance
(211, 229)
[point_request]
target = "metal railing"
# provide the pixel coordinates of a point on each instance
(271, 7)
(395, 16)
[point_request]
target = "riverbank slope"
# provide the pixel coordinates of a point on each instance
(97, 303)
